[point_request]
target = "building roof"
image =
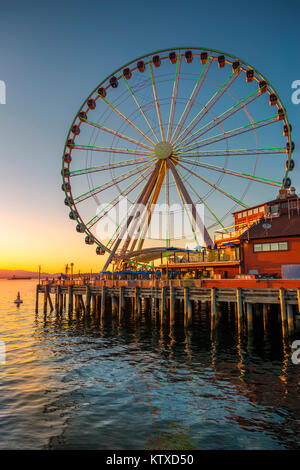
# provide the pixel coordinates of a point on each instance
(278, 200)
(283, 226)
(252, 207)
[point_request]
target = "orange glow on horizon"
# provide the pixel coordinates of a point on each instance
(52, 242)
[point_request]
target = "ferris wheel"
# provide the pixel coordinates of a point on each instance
(195, 132)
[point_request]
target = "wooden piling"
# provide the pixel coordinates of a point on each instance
(172, 303)
(114, 305)
(60, 301)
(249, 317)
(239, 303)
(137, 303)
(187, 309)
(283, 310)
(56, 298)
(163, 303)
(103, 295)
(88, 299)
(46, 291)
(76, 304)
(265, 315)
(213, 304)
(93, 304)
(121, 302)
(290, 318)
(81, 302)
(298, 300)
(50, 301)
(70, 291)
(37, 299)
(97, 304)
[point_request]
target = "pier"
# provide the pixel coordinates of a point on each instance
(175, 300)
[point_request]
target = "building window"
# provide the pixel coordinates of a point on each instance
(245, 214)
(239, 216)
(275, 246)
(274, 209)
(250, 212)
(282, 246)
(284, 205)
(255, 211)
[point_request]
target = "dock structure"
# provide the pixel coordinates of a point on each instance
(174, 301)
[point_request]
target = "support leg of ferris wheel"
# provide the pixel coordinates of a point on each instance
(143, 196)
(197, 219)
(148, 213)
(139, 215)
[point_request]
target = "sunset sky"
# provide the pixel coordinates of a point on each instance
(53, 55)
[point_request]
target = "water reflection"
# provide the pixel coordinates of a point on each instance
(79, 381)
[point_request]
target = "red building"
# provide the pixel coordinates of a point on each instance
(264, 241)
(270, 244)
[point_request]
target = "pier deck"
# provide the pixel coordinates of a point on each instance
(168, 297)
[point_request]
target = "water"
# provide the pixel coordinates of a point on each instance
(72, 384)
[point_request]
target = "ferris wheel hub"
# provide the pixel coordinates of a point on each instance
(163, 150)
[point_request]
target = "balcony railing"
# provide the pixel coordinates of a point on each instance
(230, 235)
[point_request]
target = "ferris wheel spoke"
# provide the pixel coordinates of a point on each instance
(233, 133)
(230, 196)
(133, 185)
(200, 198)
(126, 119)
(102, 187)
(98, 168)
(222, 117)
(140, 108)
(232, 153)
(115, 234)
(174, 97)
(228, 171)
(192, 98)
(156, 102)
(121, 151)
(186, 211)
(146, 218)
(143, 197)
(115, 133)
(188, 202)
(213, 100)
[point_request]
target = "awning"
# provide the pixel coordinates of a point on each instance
(230, 244)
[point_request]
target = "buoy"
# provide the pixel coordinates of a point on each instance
(18, 300)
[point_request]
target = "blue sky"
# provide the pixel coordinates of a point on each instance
(54, 53)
